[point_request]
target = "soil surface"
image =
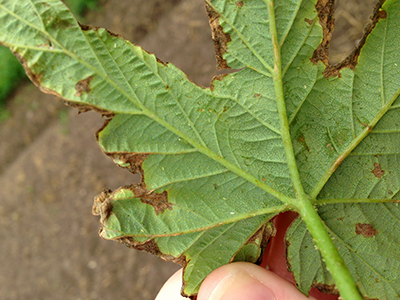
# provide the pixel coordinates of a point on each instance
(51, 168)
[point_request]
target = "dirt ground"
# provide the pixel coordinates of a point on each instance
(51, 167)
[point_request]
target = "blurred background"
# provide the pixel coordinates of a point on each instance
(51, 167)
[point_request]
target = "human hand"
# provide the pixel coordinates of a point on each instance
(243, 281)
(236, 281)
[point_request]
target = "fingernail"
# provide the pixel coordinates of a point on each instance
(239, 285)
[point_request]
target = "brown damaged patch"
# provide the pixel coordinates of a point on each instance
(85, 108)
(325, 10)
(133, 161)
(151, 246)
(83, 86)
(367, 230)
(239, 4)
(377, 171)
(351, 60)
(219, 77)
(85, 27)
(326, 288)
(102, 205)
(158, 201)
(310, 22)
(34, 77)
(220, 38)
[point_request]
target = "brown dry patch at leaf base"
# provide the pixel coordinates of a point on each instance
(220, 38)
(367, 230)
(325, 10)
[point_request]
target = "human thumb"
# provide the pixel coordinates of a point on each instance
(245, 281)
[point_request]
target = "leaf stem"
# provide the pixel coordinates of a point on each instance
(334, 262)
(280, 99)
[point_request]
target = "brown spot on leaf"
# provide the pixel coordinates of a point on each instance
(158, 201)
(257, 95)
(239, 4)
(83, 86)
(304, 143)
(221, 39)
(367, 230)
(308, 21)
(377, 171)
(326, 288)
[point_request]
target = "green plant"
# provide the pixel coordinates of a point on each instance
(288, 131)
(79, 7)
(10, 73)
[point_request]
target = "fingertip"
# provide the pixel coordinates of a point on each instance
(247, 281)
(171, 289)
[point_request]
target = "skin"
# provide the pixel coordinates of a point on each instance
(245, 281)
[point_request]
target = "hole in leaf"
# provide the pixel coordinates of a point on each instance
(351, 18)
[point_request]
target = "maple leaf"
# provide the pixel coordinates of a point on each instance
(287, 131)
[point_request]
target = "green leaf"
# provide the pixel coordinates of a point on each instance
(367, 238)
(285, 132)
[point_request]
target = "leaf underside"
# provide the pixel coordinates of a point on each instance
(213, 163)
